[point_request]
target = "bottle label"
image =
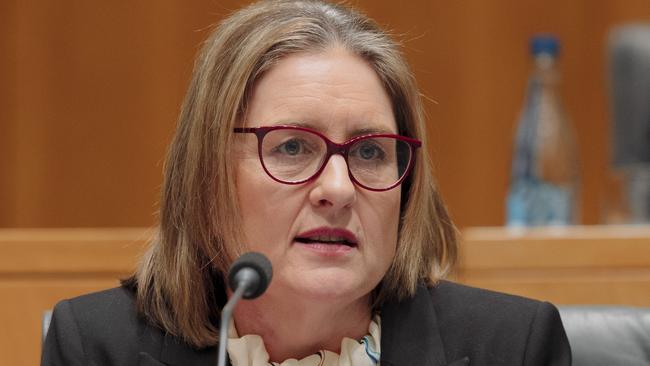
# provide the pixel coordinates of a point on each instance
(536, 203)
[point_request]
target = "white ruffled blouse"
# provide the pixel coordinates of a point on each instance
(249, 350)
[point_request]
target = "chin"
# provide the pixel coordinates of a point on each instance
(331, 286)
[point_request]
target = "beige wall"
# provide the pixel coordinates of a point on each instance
(91, 90)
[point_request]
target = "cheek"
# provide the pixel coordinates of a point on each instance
(252, 199)
(265, 207)
(381, 220)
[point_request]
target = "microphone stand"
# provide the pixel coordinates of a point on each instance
(246, 280)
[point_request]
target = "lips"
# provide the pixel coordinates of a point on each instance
(331, 236)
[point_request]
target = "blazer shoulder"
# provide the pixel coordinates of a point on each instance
(115, 307)
(459, 304)
(102, 325)
(466, 298)
(517, 325)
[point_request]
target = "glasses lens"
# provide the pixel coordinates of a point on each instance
(379, 162)
(291, 155)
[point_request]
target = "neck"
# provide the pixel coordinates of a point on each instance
(297, 329)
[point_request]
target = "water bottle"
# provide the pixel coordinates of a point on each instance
(544, 181)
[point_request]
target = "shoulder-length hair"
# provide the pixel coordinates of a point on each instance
(179, 282)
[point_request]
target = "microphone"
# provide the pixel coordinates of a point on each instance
(253, 272)
(248, 277)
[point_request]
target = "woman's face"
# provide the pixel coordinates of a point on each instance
(328, 238)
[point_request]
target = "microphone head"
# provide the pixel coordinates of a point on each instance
(257, 263)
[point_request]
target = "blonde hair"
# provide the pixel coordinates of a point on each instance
(180, 280)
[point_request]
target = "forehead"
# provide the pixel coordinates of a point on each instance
(334, 91)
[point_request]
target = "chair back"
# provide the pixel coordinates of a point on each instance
(45, 323)
(608, 335)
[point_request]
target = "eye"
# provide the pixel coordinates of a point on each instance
(369, 150)
(293, 147)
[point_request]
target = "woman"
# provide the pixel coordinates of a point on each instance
(299, 138)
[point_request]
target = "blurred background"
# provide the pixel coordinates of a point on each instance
(91, 91)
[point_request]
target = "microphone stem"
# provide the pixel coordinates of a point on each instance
(226, 314)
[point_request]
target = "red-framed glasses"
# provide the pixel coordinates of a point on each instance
(295, 155)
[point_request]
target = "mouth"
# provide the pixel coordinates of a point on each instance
(328, 236)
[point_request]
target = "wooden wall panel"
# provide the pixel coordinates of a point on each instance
(7, 99)
(91, 92)
(92, 100)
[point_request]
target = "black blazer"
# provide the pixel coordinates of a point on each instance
(448, 324)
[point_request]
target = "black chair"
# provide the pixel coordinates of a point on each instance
(46, 317)
(608, 335)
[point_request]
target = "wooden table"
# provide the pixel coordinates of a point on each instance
(39, 267)
(571, 265)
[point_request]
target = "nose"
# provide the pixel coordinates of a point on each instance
(333, 188)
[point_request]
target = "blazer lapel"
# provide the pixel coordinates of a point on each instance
(410, 334)
(462, 362)
(145, 359)
(178, 353)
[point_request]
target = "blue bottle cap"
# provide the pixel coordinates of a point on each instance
(544, 43)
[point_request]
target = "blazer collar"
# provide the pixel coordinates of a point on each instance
(410, 334)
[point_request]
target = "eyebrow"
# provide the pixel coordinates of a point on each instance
(371, 130)
(354, 133)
